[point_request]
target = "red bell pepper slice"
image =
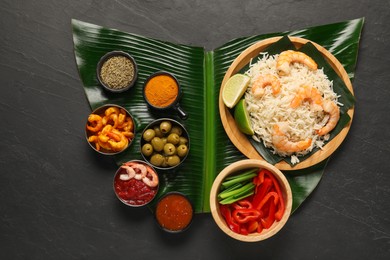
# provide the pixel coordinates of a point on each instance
(259, 227)
(245, 215)
(266, 198)
(244, 231)
(242, 204)
(226, 213)
(280, 212)
(256, 180)
(264, 211)
(252, 226)
(261, 191)
(259, 178)
(270, 219)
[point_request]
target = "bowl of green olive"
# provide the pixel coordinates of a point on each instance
(165, 143)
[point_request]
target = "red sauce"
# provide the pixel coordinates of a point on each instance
(133, 192)
(174, 212)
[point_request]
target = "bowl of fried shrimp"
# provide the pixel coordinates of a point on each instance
(110, 129)
(299, 102)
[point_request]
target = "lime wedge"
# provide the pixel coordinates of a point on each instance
(234, 89)
(241, 116)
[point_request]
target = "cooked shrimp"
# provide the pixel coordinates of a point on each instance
(95, 123)
(128, 134)
(281, 142)
(288, 57)
(121, 119)
(264, 81)
(128, 125)
(310, 94)
(140, 171)
(103, 137)
(104, 145)
(111, 110)
(151, 179)
(118, 145)
(334, 115)
(114, 136)
(110, 119)
(94, 139)
(130, 173)
(128, 128)
(130, 163)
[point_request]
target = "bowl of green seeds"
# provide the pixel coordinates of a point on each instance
(117, 71)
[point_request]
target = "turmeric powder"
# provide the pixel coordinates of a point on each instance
(161, 91)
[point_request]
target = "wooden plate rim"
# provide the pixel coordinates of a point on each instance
(241, 141)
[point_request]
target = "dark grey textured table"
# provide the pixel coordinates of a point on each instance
(56, 195)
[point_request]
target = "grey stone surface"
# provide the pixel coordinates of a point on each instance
(56, 195)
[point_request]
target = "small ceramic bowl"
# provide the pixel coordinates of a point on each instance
(109, 142)
(239, 167)
(117, 71)
(174, 212)
(152, 95)
(154, 140)
(136, 183)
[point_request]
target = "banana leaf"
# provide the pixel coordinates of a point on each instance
(200, 74)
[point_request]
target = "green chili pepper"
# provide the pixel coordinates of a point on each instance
(240, 178)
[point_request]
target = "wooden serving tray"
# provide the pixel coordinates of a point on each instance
(242, 142)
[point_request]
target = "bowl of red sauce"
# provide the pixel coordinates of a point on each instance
(136, 183)
(174, 212)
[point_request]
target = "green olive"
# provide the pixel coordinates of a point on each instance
(147, 149)
(158, 131)
(182, 150)
(165, 127)
(173, 139)
(177, 130)
(169, 149)
(158, 144)
(157, 159)
(173, 160)
(148, 135)
(183, 140)
(165, 162)
(164, 139)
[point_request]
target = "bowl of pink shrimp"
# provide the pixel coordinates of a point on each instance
(136, 183)
(110, 129)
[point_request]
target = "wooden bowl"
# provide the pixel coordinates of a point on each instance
(241, 141)
(242, 165)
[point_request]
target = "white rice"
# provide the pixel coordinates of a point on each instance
(300, 122)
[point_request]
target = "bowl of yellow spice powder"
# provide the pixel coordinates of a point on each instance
(117, 71)
(162, 92)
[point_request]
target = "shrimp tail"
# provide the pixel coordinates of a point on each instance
(282, 143)
(286, 58)
(264, 81)
(334, 115)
